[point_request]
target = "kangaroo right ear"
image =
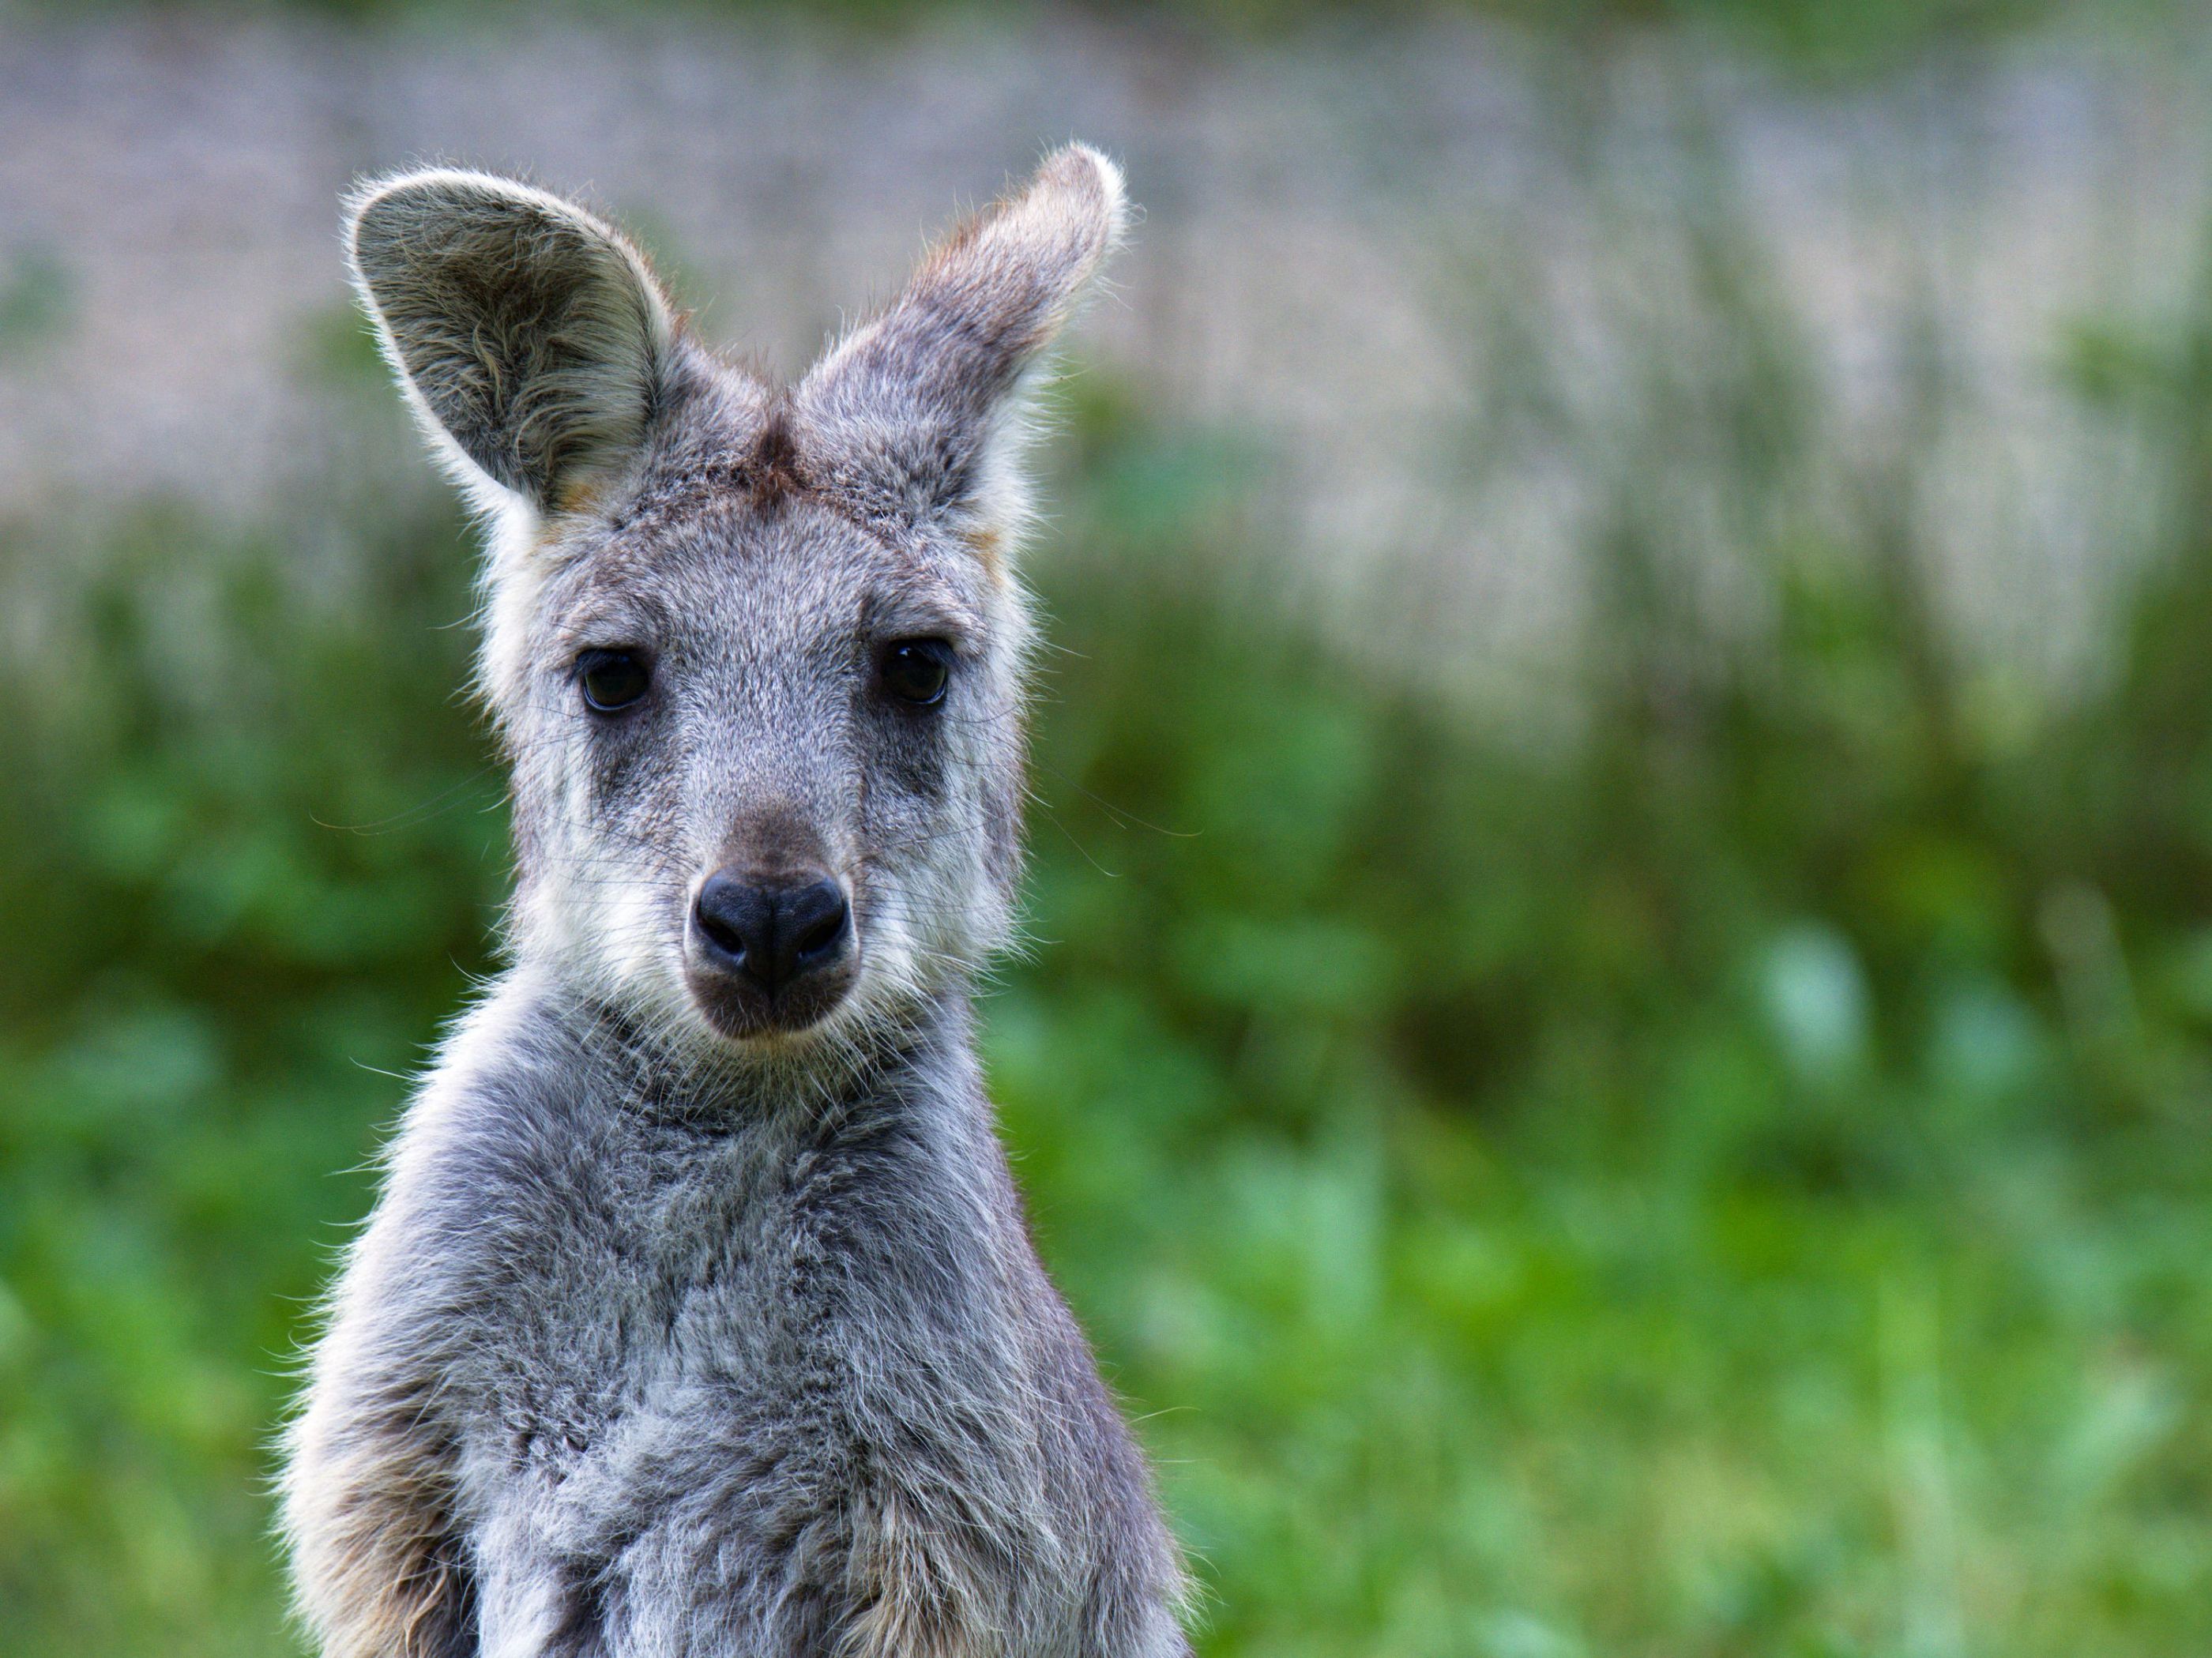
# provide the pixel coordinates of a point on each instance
(530, 338)
(918, 414)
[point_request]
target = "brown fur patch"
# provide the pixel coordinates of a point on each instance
(579, 494)
(386, 1583)
(772, 472)
(989, 544)
(914, 1600)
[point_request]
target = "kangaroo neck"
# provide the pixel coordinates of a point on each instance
(710, 1084)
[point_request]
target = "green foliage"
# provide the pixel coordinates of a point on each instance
(1737, 1189)
(208, 994)
(36, 299)
(1734, 1184)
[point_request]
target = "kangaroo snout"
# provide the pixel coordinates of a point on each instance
(769, 950)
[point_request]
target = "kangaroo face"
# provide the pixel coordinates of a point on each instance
(755, 653)
(767, 764)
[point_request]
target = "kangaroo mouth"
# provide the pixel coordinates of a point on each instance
(743, 1012)
(745, 1006)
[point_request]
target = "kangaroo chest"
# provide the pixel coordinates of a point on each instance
(615, 1278)
(625, 1362)
(705, 1378)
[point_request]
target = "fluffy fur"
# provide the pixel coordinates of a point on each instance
(661, 1343)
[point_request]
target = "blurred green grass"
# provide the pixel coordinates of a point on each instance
(1735, 1182)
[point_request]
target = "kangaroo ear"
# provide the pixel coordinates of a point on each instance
(917, 415)
(530, 338)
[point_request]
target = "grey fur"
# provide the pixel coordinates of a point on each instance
(668, 1339)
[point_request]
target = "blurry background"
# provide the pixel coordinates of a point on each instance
(1618, 1048)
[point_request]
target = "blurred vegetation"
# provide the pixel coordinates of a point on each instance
(1822, 36)
(1733, 1183)
(1738, 1186)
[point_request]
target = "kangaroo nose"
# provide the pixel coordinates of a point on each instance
(774, 931)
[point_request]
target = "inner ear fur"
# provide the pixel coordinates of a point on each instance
(917, 413)
(532, 336)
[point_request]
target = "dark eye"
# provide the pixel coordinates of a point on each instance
(612, 680)
(916, 670)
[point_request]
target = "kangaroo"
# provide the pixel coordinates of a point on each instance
(698, 1314)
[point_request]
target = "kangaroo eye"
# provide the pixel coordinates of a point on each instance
(916, 671)
(612, 680)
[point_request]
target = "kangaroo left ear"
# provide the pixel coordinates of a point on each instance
(531, 337)
(917, 415)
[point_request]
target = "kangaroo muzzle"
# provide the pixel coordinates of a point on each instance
(768, 950)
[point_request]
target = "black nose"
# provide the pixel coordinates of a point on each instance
(774, 931)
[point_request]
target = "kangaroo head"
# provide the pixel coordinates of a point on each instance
(755, 653)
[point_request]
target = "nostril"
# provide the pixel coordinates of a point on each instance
(819, 915)
(720, 931)
(734, 917)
